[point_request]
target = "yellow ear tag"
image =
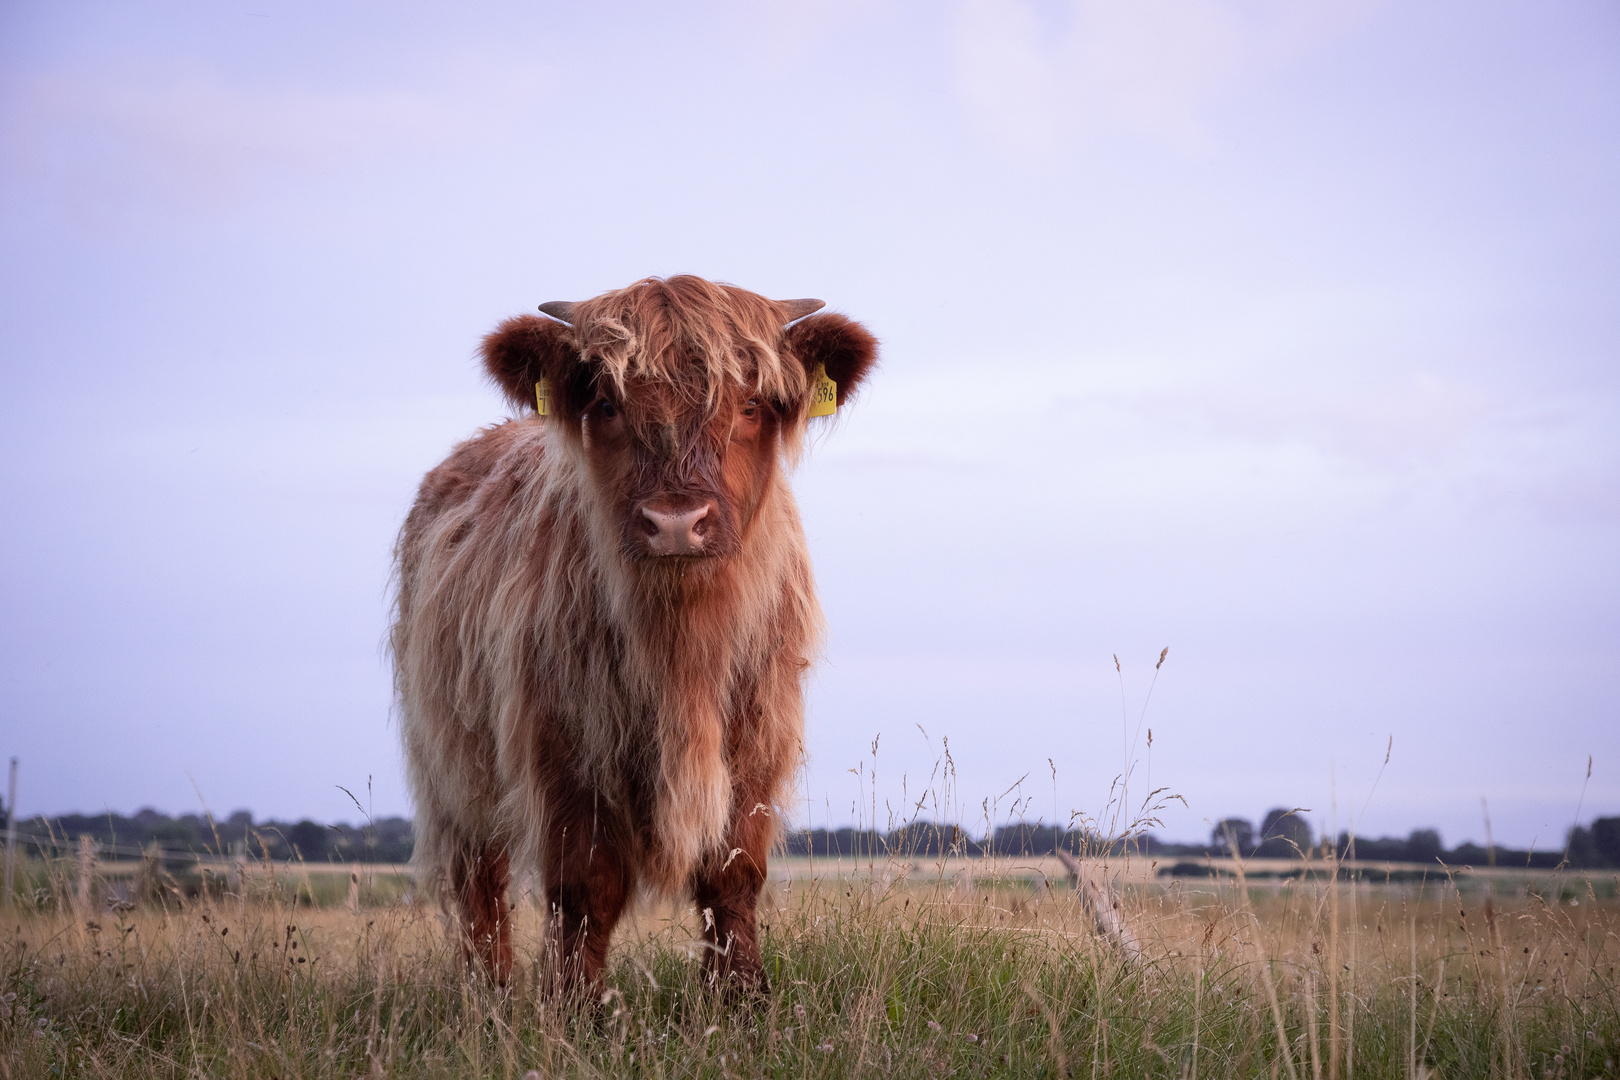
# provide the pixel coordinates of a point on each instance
(823, 393)
(542, 398)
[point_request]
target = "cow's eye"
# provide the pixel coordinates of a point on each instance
(606, 409)
(751, 408)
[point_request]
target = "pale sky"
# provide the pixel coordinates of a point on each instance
(1283, 335)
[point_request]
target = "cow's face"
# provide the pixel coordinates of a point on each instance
(683, 479)
(682, 396)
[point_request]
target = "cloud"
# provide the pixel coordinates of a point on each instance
(1152, 68)
(1412, 417)
(1548, 456)
(105, 141)
(787, 33)
(1400, 435)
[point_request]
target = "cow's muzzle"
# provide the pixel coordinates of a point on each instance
(678, 530)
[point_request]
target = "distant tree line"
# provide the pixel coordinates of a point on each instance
(1282, 834)
(387, 840)
(927, 838)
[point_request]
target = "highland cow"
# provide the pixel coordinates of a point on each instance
(605, 616)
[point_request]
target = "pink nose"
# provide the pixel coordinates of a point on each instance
(675, 533)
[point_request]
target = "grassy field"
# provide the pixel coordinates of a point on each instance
(961, 969)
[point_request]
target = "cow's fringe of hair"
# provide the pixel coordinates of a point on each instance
(650, 332)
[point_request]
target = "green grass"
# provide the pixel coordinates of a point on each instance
(919, 978)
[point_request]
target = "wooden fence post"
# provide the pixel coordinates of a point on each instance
(1099, 897)
(149, 886)
(354, 888)
(239, 874)
(87, 861)
(11, 832)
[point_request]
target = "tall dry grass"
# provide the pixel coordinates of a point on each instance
(892, 971)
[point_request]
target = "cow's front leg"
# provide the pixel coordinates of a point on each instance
(726, 889)
(480, 876)
(586, 887)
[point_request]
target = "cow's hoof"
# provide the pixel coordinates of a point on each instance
(741, 988)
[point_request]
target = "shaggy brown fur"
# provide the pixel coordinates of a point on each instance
(605, 617)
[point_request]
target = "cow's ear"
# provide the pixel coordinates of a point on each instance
(525, 349)
(845, 348)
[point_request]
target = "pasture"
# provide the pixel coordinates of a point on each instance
(962, 969)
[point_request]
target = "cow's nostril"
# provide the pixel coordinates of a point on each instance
(678, 533)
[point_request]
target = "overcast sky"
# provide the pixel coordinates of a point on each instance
(1283, 335)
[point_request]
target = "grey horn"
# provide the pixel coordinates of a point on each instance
(562, 310)
(798, 309)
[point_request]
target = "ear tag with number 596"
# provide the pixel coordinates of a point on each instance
(542, 398)
(823, 393)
